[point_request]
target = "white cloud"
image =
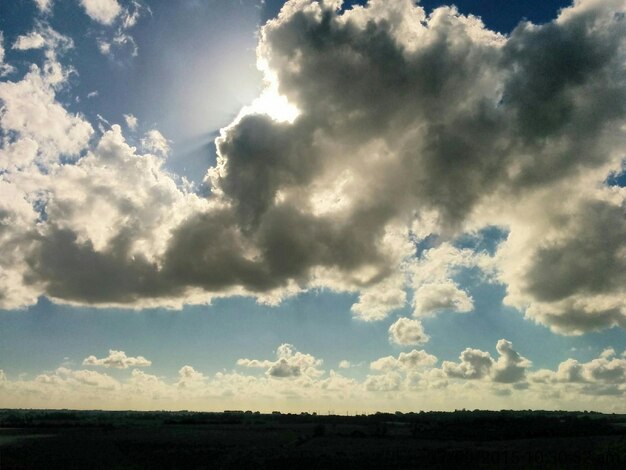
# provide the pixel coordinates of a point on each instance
(431, 298)
(376, 302)
(89, 378)
(415, 359)
(33, 40)
(510, 366)
(431, 278)
(424, 128)
(288, 363)
(131, 121)
(44, 37)
(603, 376)
(44, 6)
(389, 382)
(189, 378)
(406, 379)
(474, 364)
(405, 331)
(116, 43)
(5, 69)
(117, 360)
(154, 142)
(104, 47)
(71, 380)
(31, 111)
(102, 11)
(344, 364)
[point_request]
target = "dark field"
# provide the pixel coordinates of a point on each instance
(36, 439)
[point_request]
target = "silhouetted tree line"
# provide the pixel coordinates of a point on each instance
(460, 424)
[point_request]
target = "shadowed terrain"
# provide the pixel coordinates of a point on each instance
(34, 439)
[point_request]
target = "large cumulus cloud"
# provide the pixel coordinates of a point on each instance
(407, 125)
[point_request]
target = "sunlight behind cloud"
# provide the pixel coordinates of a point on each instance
(273, 104)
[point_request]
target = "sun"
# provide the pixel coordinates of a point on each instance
(273, 104)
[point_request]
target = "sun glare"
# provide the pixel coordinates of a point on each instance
(273, 104)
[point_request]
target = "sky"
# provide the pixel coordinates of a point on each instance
(313, 205)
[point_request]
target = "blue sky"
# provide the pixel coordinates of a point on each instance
(422, 202)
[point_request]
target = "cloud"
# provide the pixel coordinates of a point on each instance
(388, 382)
(115, 42)
(289, 363)
(32, 40)
(117, 360)
(602, 376)
(405, 361)
(44, 37)
(189, 378)
(574, 278)
(32, 113)
(411, 129)
(377, 301)
(431, 298)
(120, 42)
(344, 364)
(44, 6)
(405, 331)
(510, 366)
(64, 378)
(102, 11)
(90, 378)
(432, 276)
(406, 379)
(131, 121)
(474, 364)
(154, 142)
(5, 69)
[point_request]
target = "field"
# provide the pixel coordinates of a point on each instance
(49, 439)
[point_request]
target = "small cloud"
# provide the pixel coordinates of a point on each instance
(608, 353)
(43, 37)
(32, 40)
(117, 360)
(92, 94)
(289, 363)
(44, 6)
(432, 298)
(131, 121)
(510, 367)
(154, 142)
(344, 364)
(406, 332)
(102, 11)
(416, 359)
(104, 47)
(388, 382)
(474, 364)
(5, 69)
